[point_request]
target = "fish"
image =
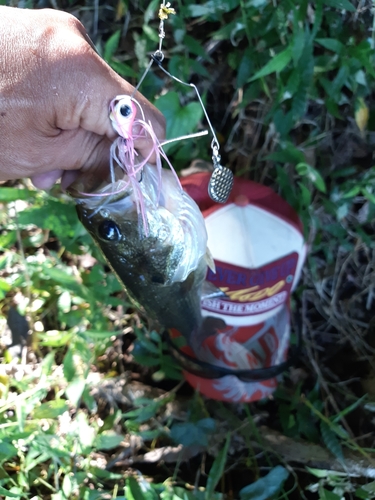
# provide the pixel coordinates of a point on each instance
(150, 231)
(160, 258)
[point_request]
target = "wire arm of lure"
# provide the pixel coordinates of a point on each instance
(183, 137)
(215, 143)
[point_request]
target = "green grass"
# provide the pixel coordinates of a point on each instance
(94, 406)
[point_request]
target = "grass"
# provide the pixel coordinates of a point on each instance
(91, 403)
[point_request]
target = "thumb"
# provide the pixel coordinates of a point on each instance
(92, 104)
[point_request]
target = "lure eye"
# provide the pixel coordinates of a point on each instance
(109, 230)
(125, 110)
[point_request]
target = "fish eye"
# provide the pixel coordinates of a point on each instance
(125, 110)
(109, 230)
(157, 279)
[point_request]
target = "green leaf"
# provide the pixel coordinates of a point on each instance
(7, 450)
(7, 493)
(340, 4)
(107, 440)
(331, 441)
(349, 409)
(12, 194)
(74, 390)
(102, 335)
(123, 69)
(328, 495)
(288, 154)
(212, 7)
(190, 433)
(331, 44)
(245, 68)
(368, 195)
(267, 486)
(60, 276)
(217, 470)
(307, 170)
(111, 45)
(275, 65)
(319, 473)
(7, 239)
(136, 491)
(67, 485)
(181, 120)
(51, 409)
(318, 17)
(298, 45)
(340, 80)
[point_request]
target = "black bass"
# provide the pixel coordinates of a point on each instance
(161, 257)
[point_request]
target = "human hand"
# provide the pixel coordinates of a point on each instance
(54, 96)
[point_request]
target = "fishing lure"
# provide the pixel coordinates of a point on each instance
(221, 182)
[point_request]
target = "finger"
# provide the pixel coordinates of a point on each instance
(46, 180)
(91, 105)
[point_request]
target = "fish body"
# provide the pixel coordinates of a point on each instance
(161, 261)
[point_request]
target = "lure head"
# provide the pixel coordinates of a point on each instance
(122, 115)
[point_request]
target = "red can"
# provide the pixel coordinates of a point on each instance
(257, 242)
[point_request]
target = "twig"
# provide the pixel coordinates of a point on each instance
(315, 455)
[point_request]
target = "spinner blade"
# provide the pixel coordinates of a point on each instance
(220, 184)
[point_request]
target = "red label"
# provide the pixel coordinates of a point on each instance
(252, 291)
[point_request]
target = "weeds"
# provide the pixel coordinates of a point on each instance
(91, 403)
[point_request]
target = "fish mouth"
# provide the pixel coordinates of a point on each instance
(97, 185)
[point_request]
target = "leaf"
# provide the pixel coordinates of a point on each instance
(307, 170)
(60, 276)
(217, 470)
(67, 486)
(123, 69)
(328, 495)
(181, 120)
(12, 194)
(288, 154)
(189, 433)
(7, 239)
(74, 390)
(51, 409)
(245, 68)
(265, 487)
(331, 44)
(7, 450)
(102, 335)
(349, 408)
(111, 45)
(340, 4)
(340, 80)
(212, 7)
(298, 44)
(361, 114)
(331, 441)
(275, 65)
(7, 493)
(141, 490)
(107, 440)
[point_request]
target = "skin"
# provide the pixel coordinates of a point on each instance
(54, 96)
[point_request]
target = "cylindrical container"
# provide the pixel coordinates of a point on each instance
(256, 240)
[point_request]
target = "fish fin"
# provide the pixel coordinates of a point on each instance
(210, 260)
(210, 291)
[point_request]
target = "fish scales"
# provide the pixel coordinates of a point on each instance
(163, 263)
(145, 266)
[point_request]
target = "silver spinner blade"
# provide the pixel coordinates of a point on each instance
(220, 184)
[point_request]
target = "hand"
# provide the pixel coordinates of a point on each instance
(54, 96)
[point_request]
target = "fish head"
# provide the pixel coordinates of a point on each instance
(149, 259)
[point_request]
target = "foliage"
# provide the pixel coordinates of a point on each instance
(289, 88)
